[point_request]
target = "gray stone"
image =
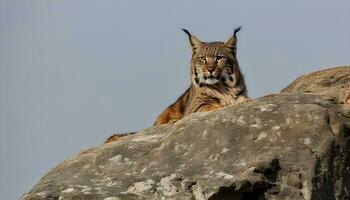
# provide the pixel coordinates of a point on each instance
(292, 145)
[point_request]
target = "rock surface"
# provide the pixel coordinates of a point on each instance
(292, 145)
(333, 84)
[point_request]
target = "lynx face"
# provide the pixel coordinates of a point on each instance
(214, 62)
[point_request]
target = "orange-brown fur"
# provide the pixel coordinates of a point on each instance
(216, 80)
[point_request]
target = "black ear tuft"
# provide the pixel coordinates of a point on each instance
(186, 31)
(236, 31)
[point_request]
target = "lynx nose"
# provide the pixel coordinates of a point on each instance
(210, 69)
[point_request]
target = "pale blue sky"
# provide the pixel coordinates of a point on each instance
(74, 72)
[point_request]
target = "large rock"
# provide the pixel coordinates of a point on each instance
(293, 145)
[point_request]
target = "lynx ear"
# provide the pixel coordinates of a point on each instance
(232, 41)
(195, 42)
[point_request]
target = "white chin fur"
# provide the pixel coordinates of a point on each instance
(208, 81)
(211, 81)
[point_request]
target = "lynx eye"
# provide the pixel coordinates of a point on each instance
(220, 57)
(202, 58)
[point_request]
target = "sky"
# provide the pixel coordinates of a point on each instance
(74, 72)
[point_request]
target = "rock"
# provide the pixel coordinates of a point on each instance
(333, 84)
(292, 145)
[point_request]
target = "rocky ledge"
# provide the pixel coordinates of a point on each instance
(292, 145)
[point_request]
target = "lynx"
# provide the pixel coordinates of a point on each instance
(216, 81)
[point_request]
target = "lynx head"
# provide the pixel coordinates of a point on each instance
(214, 62)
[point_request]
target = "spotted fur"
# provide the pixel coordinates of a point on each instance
(216, 80)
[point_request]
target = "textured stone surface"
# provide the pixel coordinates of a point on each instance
(293, 145)
(333, 84)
